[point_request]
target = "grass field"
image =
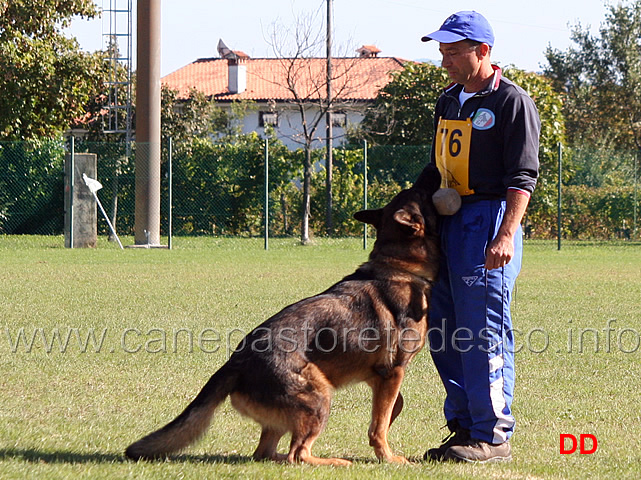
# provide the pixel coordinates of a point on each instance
(123, 364)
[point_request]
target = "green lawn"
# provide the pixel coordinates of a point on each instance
(71, 404)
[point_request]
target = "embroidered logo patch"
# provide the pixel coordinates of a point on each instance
(449, 20)
(484, 119)
(469, 281)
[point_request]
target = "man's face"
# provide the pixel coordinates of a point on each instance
(461, 60)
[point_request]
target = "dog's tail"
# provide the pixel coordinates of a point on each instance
(190, 425)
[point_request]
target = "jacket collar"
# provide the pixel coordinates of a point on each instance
(454, 88)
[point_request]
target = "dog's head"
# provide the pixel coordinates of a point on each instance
(407, 227)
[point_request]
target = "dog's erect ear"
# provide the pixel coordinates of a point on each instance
(429, 179)
(373, 217)
(408, 220)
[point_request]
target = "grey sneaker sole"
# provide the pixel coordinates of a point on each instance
(456, 458)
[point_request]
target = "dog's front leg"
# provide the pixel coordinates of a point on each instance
(386, 391)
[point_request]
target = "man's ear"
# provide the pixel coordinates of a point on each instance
(409, 220)
(373, 217)
(484, 49)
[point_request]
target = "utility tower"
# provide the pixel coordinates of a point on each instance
(118, 41)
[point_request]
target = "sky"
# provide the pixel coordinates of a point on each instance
(191, 28)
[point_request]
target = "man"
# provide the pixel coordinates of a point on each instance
(486, 145)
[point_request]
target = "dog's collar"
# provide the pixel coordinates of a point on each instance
(367, 272)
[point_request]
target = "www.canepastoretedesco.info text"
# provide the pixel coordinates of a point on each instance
(610, 338)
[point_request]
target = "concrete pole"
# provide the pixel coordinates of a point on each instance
(147, 221)
(81, 217)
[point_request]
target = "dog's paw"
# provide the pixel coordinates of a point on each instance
(397, 459)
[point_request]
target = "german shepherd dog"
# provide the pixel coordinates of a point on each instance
(365, 328)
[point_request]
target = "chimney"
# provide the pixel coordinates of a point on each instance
(237, 70)
(368, 51)
(236, 67)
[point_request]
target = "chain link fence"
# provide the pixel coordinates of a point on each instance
(219, 189)
(31, 187)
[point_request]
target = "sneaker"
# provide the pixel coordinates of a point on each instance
(457, 436)
(478, 451)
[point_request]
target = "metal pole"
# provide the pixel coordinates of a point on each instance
(636, 186)
(147, 219)
(329, 132)
(72, 181)
(365, 191)
(558, 215)
(171, 194)
(266, 194)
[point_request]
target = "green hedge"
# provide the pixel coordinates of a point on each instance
(218, 189)
(602, 213)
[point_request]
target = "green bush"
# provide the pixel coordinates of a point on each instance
(31, 187)
(218, 189)
(587, 213)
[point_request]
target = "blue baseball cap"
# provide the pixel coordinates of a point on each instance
(466, 25)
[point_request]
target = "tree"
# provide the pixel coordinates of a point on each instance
(404, 110)
(220, 184)
(186, 118)
(403, 113)
(299, 48)
(182, 119)
(97, 117)
(46, 80)
(600, 79)
(550, 106)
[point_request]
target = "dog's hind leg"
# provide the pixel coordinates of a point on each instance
(267, 445)
(309, 412)
(303, 438)
(385, 407)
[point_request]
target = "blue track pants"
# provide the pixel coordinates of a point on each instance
(470, 334)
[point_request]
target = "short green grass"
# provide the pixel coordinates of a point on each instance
(69, 411)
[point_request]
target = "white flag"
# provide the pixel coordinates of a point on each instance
(93, 185)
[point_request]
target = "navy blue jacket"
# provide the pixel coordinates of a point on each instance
(504, 150)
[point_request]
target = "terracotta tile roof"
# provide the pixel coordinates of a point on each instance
(355, 78)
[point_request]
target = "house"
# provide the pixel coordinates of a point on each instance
(283, 89)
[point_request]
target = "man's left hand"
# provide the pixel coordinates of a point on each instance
(499, 252)
(501, 249)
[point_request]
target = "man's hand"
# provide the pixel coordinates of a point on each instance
(501, 249)
(499, 252)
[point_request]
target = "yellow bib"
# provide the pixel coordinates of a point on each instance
(452, 151)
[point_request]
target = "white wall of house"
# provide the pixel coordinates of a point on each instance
(289, 128)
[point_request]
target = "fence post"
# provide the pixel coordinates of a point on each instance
(80, 203)
(266, 194)
(72, 182)
(558, 216)
(636, 187)
(365, 191)
(170, 155)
